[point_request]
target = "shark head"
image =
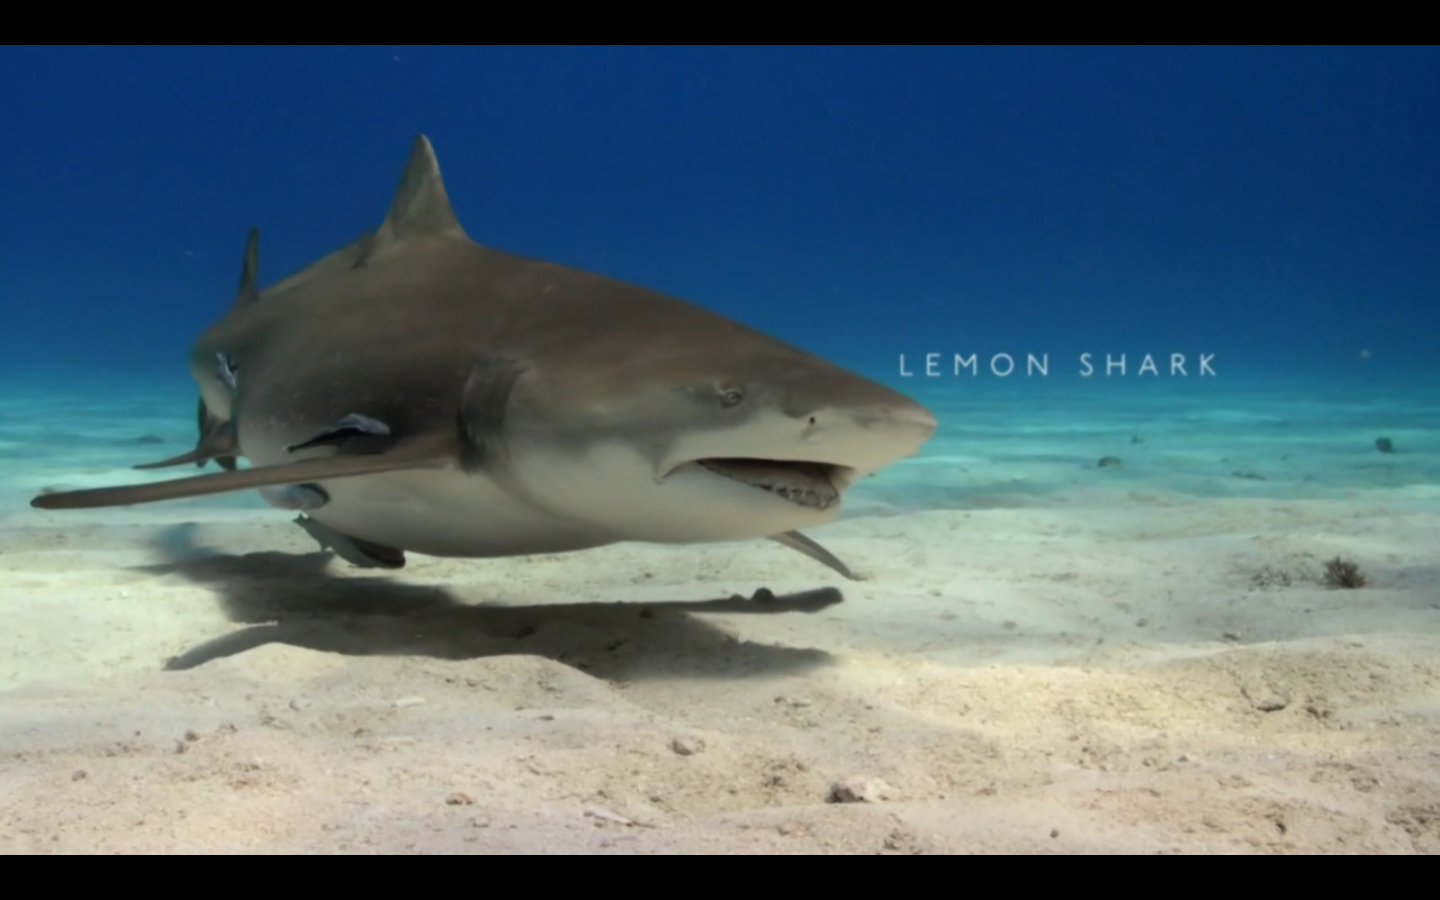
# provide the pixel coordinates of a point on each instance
(688, 426)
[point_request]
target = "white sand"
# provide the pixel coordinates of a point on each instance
(1059, 659)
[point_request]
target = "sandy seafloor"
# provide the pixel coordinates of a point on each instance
(1047, 656)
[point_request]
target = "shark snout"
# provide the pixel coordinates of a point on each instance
(906, 427)
(870, 436)
(914, 417)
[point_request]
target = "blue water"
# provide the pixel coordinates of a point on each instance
(1276, 207)
(1052, 247)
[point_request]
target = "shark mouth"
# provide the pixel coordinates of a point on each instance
(809, 484)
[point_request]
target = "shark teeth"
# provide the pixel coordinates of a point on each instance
(801, 483)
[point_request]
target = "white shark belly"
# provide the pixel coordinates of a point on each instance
(446, 512)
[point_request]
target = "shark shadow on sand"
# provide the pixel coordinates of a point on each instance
(295, 600)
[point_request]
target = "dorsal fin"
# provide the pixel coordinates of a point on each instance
(247, 292)
(421, 207)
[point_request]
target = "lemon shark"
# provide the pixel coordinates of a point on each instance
(418, 391)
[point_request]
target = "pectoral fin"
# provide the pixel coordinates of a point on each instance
(416, 455)
(799, 542)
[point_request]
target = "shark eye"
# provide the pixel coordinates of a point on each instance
(732, 397)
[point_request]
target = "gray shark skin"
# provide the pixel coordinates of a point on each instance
(435, 395)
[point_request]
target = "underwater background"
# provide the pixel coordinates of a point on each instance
(1277, 207)
(1098, 611)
